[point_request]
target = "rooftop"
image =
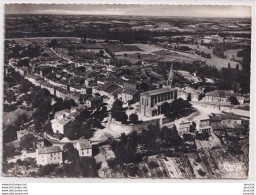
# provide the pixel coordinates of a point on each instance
(85, 145)
(129, 91)
(225, 116)
(157, 91)
(49, 150)
(220, 93)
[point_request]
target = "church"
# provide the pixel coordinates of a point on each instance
(151, 101)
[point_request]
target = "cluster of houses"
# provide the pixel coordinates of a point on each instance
(208, 124)
(54, 154)
(66, 85)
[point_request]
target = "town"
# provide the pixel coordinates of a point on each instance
(126, 97)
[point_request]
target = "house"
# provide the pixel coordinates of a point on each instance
(183, 94)
(225, 118)
(39, 142)
(242, 99)
(195, 96)
(49, 87)
(63, 119)
(34, 79)
(44, 70)
(94, 102)
(84, 148)
(89, 81)
(85, 90)
(61, 93)
(218, 96)
(110, 90)
(50, 155)
(75, 96)
(114, 41)
(23, 71)
(182, 125)
(130, 85)
(203, 124)
(129, 96)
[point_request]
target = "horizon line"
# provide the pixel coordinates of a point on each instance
(53, 14)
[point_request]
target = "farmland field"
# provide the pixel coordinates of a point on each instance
(120, 48)
(139, 49)
(189, 57)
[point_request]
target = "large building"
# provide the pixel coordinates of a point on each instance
(51, 155)
(151, 101)
(63, 119)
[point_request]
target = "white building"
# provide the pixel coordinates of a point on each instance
(84, 148)
(203, 124)
(63, 119)
(182, 125)
(51, 155)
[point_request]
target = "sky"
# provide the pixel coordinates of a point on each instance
(147, 10)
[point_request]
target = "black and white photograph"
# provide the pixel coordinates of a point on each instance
(119, 91)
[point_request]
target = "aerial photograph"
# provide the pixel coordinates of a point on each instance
(126, 91)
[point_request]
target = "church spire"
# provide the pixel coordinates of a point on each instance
(170, 77)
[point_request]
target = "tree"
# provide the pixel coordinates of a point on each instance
(70, 153)
(89, 167)
(144, 87)
(47, 169)
(133, 118)
(28, 141)
(176, 108)
(165, 108)
(233, 100)
(9, 151)
(53, 43)
(25, 86)
(116, 107)
(9, 96)
(120, 116)
(72, 132)
(101, 53)
(9, 134)
(23, 62)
